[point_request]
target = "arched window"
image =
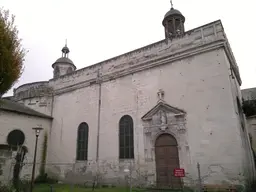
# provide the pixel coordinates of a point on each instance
(126, 143)
(82, 142)
(70, 70)
(56, 72)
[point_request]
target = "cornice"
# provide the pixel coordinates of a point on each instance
(232, 61)
(163, 59)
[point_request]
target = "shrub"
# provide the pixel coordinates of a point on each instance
(22, 186)
(45, 179)
(249, 107)
(252, 187)
(5, 188)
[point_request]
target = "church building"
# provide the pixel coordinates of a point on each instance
(169, 106)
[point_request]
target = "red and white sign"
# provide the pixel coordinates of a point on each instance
(179, 172)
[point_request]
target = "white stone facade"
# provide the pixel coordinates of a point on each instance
(201, 84)
(10, 121)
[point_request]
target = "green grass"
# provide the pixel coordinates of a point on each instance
(69, 188)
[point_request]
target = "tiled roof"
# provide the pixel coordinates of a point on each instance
(8, 105)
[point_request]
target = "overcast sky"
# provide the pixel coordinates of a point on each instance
(97, 30)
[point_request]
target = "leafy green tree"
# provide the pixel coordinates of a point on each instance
(11, 52)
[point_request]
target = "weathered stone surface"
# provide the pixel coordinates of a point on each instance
(251, 125)
(209, 133)
(200, 111)
(10, 121)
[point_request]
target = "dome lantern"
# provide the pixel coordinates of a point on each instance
(173, 23)
(63, 65)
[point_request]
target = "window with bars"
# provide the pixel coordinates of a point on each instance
(82, 142)
(126, 143)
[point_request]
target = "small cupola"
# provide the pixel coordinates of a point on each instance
(173, 23)
(63, 65)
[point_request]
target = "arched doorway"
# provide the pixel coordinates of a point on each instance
(167, 159)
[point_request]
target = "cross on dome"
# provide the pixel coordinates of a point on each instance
(171, 4)
(65, 50)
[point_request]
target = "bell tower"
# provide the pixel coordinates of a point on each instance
(173, 23)
(63, 65)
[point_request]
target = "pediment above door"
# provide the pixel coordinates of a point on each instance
(163, 110)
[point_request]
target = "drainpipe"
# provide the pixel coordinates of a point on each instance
(52, 95)
(98, 81)
(52, 100)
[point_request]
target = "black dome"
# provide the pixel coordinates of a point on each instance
(65, 49)
(174, 12)
(64, 60)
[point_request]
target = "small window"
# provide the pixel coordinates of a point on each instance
(56, 72)
(70, 70)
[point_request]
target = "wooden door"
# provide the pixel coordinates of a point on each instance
(167, 159)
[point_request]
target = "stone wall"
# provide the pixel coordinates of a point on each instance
(106, 172)
(113, 173)
(198, 85)
(5, 165)
(37, 96)
(31, 90)
(237, 97)
(11, 121)
(251, 124)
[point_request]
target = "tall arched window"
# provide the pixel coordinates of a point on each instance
(126, 143)
(82, 142)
